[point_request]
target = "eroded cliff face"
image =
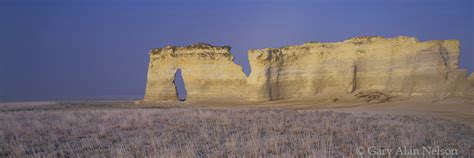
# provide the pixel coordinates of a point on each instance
(362, 67)
(209, 73)
(397, 66)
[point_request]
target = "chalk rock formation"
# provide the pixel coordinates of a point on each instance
(367, 68)
(209, 73)
(401, 65)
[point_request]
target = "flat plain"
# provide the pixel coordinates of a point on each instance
(283, 129)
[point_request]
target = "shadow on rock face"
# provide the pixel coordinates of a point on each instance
(373, 96)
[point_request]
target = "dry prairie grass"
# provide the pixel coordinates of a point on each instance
(200, 132)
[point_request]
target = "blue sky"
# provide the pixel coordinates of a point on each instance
(73, 49)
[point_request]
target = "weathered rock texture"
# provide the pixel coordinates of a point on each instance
(209, 73)
(362, 67)
(401, 66)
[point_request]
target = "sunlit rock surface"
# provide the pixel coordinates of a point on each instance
(471, 79)
(369, 66)
(209, 73)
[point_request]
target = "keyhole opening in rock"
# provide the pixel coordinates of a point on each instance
(180, 86)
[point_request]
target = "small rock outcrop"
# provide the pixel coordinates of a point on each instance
(471, 79)
(368, 68)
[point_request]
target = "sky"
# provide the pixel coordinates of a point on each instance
(98, 49)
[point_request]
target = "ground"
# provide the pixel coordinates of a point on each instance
(284, 128)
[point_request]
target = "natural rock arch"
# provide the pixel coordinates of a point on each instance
(209, 73)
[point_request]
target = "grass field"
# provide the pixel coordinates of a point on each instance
(218, 132)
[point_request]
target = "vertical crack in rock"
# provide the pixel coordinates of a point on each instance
(269, 76)
(445, 58)
(354, 78)
(275, 59)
